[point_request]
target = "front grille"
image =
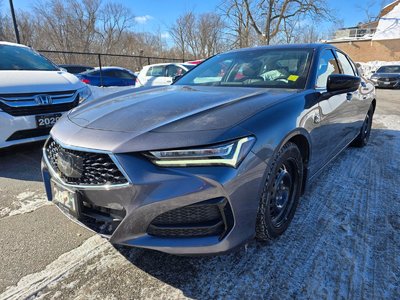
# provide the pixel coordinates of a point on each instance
(388, 79)
(86, 168)
(208, 218)
(25, 104)
(28, 133)
(100, 219)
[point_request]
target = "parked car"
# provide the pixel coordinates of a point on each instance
(161, 74)
(387, 76)
(108, 76)
(213, 160)
(76, 69)
(34, 93)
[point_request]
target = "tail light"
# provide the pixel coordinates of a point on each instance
(84, 80)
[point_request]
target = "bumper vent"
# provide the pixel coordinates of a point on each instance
(209, 218)
(28, 133)
(83, 168)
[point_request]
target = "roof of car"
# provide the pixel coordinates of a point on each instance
(73, 65)
(172, 63)
(12, 44)
(112, 67)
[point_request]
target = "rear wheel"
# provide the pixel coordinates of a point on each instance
(281, 193)
(362, 139)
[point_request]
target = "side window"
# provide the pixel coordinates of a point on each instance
(327, 65)
(344, 62)
(156, 71)
(172, 70)
(123, 74)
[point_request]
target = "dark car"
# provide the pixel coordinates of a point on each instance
(387, 77)
(108, 76)
(76, 69)
(215, 159)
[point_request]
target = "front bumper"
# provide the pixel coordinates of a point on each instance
(387, 84)
(153, 191)
(19, 130)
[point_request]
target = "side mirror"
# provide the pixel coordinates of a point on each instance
(373, 72)
(340, 84)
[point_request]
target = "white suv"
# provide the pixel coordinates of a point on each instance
(34, 93)
(161, 74)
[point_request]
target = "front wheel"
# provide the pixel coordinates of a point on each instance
(362, 139)
(281, 193)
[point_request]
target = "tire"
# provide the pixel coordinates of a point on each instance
(362, 138)
(281, 193)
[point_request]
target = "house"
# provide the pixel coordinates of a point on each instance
(377, 40)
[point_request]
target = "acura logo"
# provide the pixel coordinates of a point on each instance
(69, 164)
(43, 99)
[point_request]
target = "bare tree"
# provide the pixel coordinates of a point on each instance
(201, 35)
(267, 17)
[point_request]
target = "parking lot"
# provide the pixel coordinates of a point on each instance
(344, 241)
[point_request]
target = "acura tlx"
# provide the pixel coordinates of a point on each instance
(221, 156)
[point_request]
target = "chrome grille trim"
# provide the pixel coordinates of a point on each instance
(27, 100)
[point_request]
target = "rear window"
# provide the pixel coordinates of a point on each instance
(22, 58)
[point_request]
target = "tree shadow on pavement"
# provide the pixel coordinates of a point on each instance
(21, 162)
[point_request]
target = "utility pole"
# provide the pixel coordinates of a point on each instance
(14, 21)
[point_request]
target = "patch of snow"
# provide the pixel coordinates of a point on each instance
(389, 25)
(32, 284)
(99, 92)
(27, 202)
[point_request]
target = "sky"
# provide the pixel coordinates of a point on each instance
(159, 15)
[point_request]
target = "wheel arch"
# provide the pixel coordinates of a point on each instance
(301, 138)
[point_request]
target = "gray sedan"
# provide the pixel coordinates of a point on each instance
(218, 158)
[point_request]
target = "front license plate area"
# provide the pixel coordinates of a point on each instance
(66, 200)
(47, 121)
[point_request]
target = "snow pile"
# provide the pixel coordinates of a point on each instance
(389, 25)
(368, 67)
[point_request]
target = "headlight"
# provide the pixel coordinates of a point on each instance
(84, 93)
(229, 154)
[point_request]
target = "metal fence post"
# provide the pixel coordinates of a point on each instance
(101, 70)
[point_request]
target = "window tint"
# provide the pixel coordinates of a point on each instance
(173, 70)
(22, 58)
(122, 74)
(156, 71)
(327, 65)
(344, 62)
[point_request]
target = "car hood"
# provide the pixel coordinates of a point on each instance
(175, 109)
(386, 75)
(19, 81)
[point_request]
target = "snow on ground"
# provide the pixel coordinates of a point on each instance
(343, 244)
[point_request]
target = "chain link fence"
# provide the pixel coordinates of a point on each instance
(131, 62)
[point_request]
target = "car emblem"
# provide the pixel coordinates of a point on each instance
(43, 100)
(69, 164)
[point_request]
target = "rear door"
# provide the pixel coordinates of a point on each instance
(156, 75)
(358, 101)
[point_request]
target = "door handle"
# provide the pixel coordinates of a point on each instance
(349, 96)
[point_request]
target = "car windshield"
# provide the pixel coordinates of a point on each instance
(189, 67)
(389, 69)
(23, 58)
(271, 68)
